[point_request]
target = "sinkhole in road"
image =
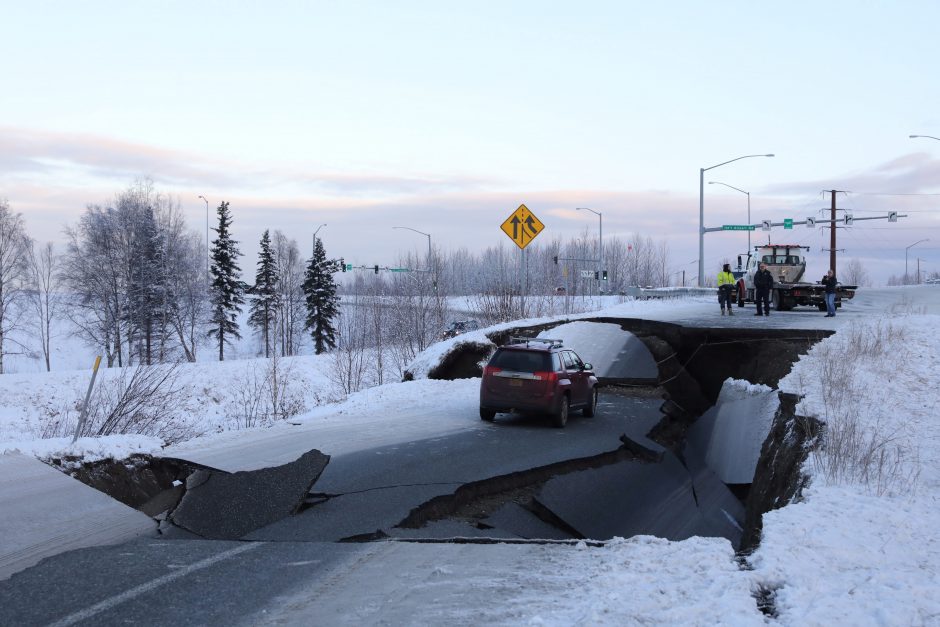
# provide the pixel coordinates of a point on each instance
(658, 484)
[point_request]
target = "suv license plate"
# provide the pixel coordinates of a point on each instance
(515, 383)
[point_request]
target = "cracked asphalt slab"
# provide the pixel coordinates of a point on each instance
(226, 506)
(375, 490)
(628, 499)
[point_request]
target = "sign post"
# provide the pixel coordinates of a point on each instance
(522, 227)
(84, 414)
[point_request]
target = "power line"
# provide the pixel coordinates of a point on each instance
(892, 194)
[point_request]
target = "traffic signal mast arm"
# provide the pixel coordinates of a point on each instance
(846, 219)
(557, 259)
(375, 268)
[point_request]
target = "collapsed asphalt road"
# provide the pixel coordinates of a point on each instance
(515, 479)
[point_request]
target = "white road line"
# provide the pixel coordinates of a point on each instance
(127, 595)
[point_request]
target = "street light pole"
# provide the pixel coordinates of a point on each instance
(207, 236)
(701, 213)
(600, 237)
(427, 235)
(748, 208)
(905, 256)
(314, 251)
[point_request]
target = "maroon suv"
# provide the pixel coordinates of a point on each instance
(538, 376)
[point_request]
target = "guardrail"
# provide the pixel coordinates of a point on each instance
(668, 292)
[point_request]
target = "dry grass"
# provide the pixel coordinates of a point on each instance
(881, 451)
(145, 400)
(266, 396)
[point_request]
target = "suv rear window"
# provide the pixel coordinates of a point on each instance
(522, 361)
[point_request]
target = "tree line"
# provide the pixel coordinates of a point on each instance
(133, 282)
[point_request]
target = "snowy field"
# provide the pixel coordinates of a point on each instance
(861, 548)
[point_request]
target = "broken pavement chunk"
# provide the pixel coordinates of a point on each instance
(226, 506)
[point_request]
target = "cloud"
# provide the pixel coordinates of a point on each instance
(911, 174)
(36, 154)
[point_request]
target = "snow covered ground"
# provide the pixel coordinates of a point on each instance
(861, 548)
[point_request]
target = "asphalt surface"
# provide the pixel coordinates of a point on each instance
(199, 581)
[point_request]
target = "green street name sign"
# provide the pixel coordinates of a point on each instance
(737, 227)
(788, 223)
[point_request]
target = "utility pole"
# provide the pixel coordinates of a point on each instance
(832, 234)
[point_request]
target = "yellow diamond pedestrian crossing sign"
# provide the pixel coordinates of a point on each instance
(522, 226)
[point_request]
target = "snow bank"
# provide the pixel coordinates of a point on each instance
(862, 546)
(87, 449)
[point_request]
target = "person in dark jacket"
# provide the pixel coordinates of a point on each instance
(830, 282)
(763, 281)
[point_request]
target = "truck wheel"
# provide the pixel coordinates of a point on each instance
(740, 294)
(821, 306)
(776, 299)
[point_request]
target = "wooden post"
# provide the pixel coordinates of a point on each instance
(91, 384)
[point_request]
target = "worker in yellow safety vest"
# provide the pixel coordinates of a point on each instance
(726, 282)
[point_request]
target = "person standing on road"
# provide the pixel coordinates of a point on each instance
(725, 288)
(763, 282)
(830, 282)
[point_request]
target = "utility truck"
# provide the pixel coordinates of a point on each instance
(787, 264)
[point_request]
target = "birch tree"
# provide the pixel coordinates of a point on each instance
(44, 296)
(14, 275)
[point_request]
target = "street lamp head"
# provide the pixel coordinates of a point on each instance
(597, 213)
(770, 155)
(913, 136)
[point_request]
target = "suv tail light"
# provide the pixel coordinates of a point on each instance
(491, 370)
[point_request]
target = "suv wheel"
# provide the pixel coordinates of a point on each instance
(588, 412)
(560, 419)
(487, 414)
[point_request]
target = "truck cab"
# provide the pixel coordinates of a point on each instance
(785, 261)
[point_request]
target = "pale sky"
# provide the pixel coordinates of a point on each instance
(445, 116)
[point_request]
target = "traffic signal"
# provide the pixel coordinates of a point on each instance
(376, 268)
(556, 259)
(342, 264)
(604, 275)
(596, 275)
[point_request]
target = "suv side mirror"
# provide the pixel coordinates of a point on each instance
(587, 366)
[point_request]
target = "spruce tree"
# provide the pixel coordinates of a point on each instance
(321, 298)
(264, 294)
(227, 290)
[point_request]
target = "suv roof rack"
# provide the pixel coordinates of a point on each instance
(526, 340)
